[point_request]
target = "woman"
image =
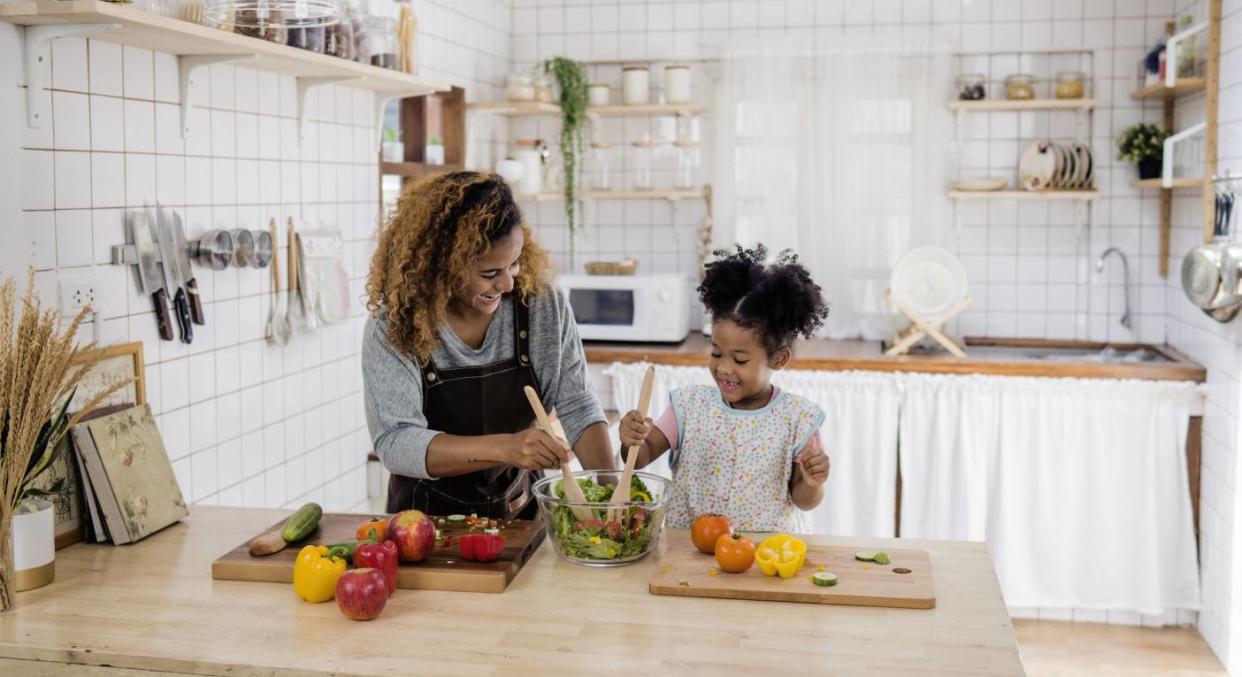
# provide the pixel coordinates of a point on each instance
(463, 317)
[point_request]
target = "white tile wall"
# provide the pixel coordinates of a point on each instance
(244, 423)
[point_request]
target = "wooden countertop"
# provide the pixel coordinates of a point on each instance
(154, 606)
(989, 358)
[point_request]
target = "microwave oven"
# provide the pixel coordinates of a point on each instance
(652, 308)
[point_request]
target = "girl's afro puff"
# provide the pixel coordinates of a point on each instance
(779, 300)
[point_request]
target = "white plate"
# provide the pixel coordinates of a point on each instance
(979, 185)
(1037, 167)
(928, 281)
(1085, 162)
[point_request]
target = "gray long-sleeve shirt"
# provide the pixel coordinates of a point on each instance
(393, 383)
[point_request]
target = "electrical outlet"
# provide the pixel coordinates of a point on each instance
(76, 293)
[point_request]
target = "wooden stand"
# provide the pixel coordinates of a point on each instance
(917, 329)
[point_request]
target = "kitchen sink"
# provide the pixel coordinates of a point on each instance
(1106, 355)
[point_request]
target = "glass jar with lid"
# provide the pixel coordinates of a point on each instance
(375, 34)
(970, 87)
(599, 166)
(519, 88)
(642, 154)
(542, 87)
(1070, 84)
(687, 175)
(1020, 87)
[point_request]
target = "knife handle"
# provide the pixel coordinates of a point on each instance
(183, 316)
(196, 306)
(160, 300)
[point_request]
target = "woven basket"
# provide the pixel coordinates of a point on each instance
(626, 267)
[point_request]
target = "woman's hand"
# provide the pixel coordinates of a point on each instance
(634, 429)
(814, 462)
(533, 449)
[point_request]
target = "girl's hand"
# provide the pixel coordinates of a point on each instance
(634, 429)
(814, 462)
(533, 449)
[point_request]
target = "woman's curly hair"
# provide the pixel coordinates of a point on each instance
(425, 254)
(779, 300)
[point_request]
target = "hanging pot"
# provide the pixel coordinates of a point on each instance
(1203, 277)
(34, 544)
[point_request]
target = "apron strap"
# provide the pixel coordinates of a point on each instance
(521, 331)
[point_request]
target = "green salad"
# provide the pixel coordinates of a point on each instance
(599, 538)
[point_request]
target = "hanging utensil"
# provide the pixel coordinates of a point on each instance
(573, 492)
(295, 311)
(306, 292)
(277, 328)
(621, 494)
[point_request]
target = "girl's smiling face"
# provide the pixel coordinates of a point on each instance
(741, 366)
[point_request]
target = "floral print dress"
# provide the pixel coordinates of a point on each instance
(736, 462)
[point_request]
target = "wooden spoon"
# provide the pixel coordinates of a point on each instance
(621, 494)
(572, 491)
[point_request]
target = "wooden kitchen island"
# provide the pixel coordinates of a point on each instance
(153, 607)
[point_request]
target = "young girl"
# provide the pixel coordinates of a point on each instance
(744, 448)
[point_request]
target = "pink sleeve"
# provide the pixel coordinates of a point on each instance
(667, 423)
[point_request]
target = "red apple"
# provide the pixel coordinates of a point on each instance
(362, 593)
(414, 533)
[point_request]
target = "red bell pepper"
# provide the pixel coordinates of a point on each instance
(481, 547)
(382, 556)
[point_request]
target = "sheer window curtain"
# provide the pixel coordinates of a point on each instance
(837, 150)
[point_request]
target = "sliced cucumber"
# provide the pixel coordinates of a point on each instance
(824, 578)
(864, 556)
(456, 518)
(881, 558)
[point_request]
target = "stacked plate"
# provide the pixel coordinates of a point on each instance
(1056, 166)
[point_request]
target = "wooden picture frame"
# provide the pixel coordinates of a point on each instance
(115, 363)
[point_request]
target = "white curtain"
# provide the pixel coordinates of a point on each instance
(1079, 486)
(838, 150)
(859, 434)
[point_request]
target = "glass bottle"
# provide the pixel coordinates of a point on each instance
(687, 175)
(641, 153)
(599, 162)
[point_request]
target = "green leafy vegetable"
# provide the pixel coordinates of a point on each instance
(596, 538)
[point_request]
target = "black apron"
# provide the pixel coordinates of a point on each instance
(482, 400)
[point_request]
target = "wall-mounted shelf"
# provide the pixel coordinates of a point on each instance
(536, 109)
(415, 169)
(1148, 184)
(1160, 90)
(693, 193)
(1023, 194)
(1024, 105)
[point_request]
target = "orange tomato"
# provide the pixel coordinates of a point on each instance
(379, 524)
(707, 529)
(734, 553)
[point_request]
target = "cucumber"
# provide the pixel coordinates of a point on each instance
(301, 523)
(824, 578)
(864, 556)
(881, 558)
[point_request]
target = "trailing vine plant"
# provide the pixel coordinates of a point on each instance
(571, 77)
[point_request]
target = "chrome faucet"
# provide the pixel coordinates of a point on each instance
(1125, 274)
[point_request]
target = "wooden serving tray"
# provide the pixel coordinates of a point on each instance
(444, 569)
(685, 572)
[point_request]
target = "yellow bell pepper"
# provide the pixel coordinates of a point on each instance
(781, 555)
(315, 575)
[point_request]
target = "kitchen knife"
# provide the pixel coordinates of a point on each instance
(172, 282)
(148, 269)
(185, 272)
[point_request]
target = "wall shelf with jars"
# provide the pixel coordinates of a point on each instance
(672, 195)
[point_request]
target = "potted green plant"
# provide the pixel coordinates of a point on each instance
(392, 150)
(1143, 144)
(435, 150)
(40, 367)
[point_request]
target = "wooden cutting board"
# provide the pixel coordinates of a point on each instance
(684, 571)
(444, 569)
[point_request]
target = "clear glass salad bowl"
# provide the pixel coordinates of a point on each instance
(587, 534)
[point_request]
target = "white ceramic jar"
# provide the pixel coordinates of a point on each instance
(677, 83)
(528, 154)
(635, 85)
(597, 94)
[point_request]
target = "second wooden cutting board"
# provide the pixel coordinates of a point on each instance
(444, 569)
(683, 571)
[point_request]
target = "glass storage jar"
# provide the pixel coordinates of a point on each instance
(599, 166)
(687, 175)
(1070, 84)
(642, 156)
(1020, 87)
(970, 87)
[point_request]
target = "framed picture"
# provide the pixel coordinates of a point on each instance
(116, 363)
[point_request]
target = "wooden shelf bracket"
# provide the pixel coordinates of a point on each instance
(187, 65)
(306, 85)
(37, 40)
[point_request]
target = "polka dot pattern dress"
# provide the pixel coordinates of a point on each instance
(738, 462)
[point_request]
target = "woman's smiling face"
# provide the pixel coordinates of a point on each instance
(492, 275)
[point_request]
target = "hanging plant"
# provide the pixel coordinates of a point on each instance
(571, 77)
